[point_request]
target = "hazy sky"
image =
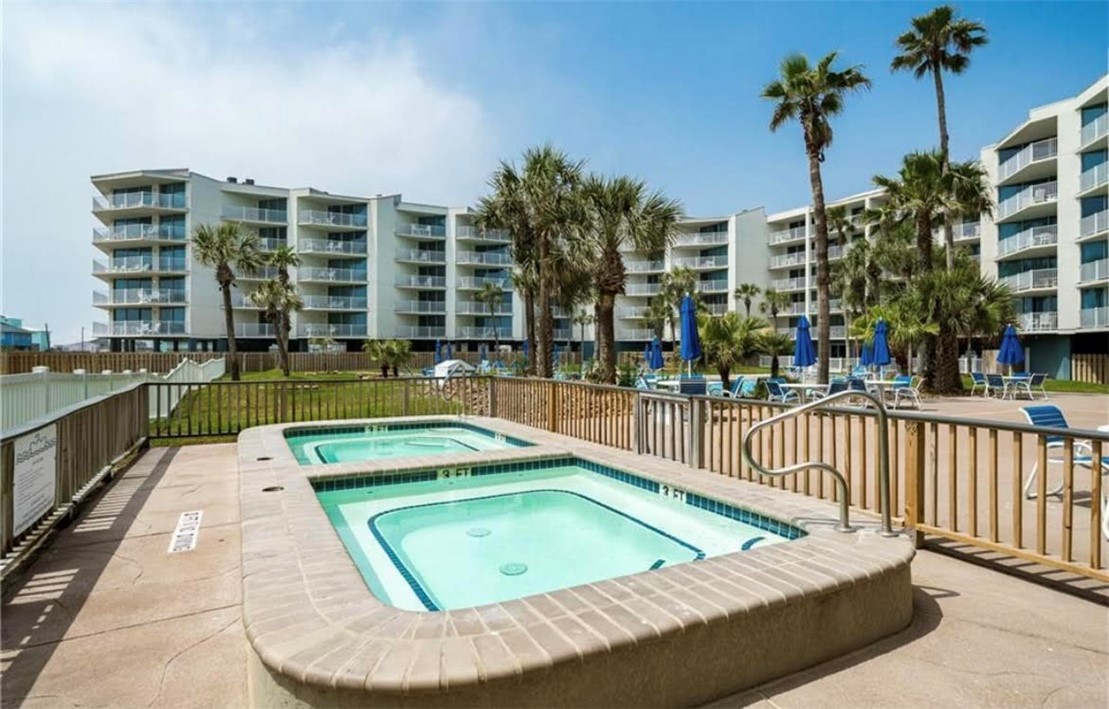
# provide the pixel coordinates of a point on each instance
(423, 99)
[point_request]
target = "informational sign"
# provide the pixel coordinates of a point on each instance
(34, 477)
(188, 528)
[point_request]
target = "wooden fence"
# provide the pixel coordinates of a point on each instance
(1090, 368)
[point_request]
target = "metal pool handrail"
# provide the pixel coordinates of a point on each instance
(841, 482)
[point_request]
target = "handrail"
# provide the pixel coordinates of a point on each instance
(841, 482)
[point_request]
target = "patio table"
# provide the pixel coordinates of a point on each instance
(803, 390)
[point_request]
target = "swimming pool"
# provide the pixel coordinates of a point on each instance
(457, 538)
(345, 444)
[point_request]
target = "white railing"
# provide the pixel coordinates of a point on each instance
(134, 200)
(797, 233)
(476, 282)
(1033, 152)
(795, 309)
(715, 286)
(1030, 195)
(436, 307)
(139, 328)
(163, 400)
(334, 302)
(785, 260)
(421, 331)
(702, 238)
(1046, 235)
(260, 274)
(783, 284)
(426, 230)
(1031, 280)
(472, 232)
(835, 252)
(1095, 129)
(471, 331)
(495, 258)
(1031, 322)
(267, 244)
(133, 296)
(319, 216)
(421, 256)
(715, 308)
(562, 334)
(421, 282)
(1095, 317)
(632, 312)
(702, 262)
(1094, 223)
(835, 332)
(242, 300)
(137, 232)
(124, 265)
(331, 330)
(966, 230)
(640, 266)
(1093, 271)
(332, 246)
(254, 214)
(472, 307)
(254, 329)
(642, 289)
(330, 274)
(1096, 176)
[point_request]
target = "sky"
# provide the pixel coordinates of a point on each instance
(424, 98)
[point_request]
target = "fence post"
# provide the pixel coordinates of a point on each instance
(492, 397)
(404, 397)
(696, 432)
(552, 406)
(637, 422)
(44, 381)
(914, 480)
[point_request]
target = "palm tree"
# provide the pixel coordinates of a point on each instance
(491, 295)
(388, 353)
(375, 350)
(227, 248)
(839, 223)
(747, 292)
(619, 214)
(811, 94)
(582, 318)
(773, 302)
(659, 312)
(729, 340)
(525, 280)
(674, 284)
(775, 344)
(906, 326)
(939, 41)
(278, 300)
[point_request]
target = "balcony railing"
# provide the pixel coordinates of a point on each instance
(254, 214)
(434, 307)
(334, 302)
(421, 332)
(701, 262)
(1032, 280)
(331, 330)
(142, 296)
(331, 274)
(636, 333)
(715, 286)
(419, 282)
(332, 246)
(425, 230)
(642, 289)
(966, 230)
(784, 284)
(268, 245)
(138, 232)
(325, 218)
(797, 233)
(243, 300)
(640, 266)
(139, 328)
(253, 329)
(1095, 129)
(135, 200)
(632, 312)
(714, 308)
(1033, 237)
(260, 274)
(472, 232)
(127, 264)
(1096, 176)
(1032, 322)
(1033, 152)
(562, 334)
(835, 252)
(494, 258)
(1094, 271)
(835, 332)
(1095, 223)
(1095, 317)
(472, 307)
(703, 238)
(477, 282)
(421, 256)
(1027, 197)
(785, 260)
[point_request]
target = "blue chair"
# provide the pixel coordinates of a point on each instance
(903, 389)
(742, 388)
(779, 393)
(978, 380)
(995, 386)
(856, 384)
(860, 371)
(715, 388)
(837, 385)
(1029, 385)
(692, 386)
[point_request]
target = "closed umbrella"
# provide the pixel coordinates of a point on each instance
(647, 355)
(656, 361)
(1011, 352)
(450, 351)
(880, 346)
(482, 352)
(804, 354)
(438, 352)
(691, 342)
(866, 356)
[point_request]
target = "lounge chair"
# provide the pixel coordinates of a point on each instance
(1052, 416)
(779, 393)
(903, 389)
(978, 380)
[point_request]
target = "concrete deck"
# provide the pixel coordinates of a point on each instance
(106, 617)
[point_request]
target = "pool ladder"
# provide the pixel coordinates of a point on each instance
(842, 487)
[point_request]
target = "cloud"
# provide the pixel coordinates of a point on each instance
(96, 88)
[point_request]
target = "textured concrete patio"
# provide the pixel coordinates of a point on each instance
(106, 617)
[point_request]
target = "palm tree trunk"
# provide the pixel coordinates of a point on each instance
(941, 109)
(823, 280)
(606, 336)
(546, 320)
(229, 322)
(529, 327)
(943, 367)
(282, 331)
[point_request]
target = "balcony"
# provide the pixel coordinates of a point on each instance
(486, 332)
(472, 233)
(240, 300)
(137, 201)
(331, 330)
(138, 328)
(641, 266)
(421, 256)
(788, 284)
(835, 332)
(1095, 177)
(253, 329)
(484, 258)
(319, 217)
(562, 334)
(797, 233)
(638, 333)
(138, 234)
(472, 307)
(331, 275)
(422, 307)
(136, 264)
(141, 296)
(1095, 130)
(270, 245)
(1031, 154)
(1024, 202)
(835, 252)
(642, 289)
(478, 282)
(703, 238)
(1038, 322)
(787, 260)
(1095, 317)
(261, 274)
(714, 308)
(632, 312)
(1093, 271)
(714, 286)
(702, 263)
(1037, 237)
(254, 214)
(1039, 279)
(421, 282)
(1094, 224)
(422, 231)
(966, 231)
(332, 247)
(334, 302)
(421, 332)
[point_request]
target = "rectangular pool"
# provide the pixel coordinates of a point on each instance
(345, 444)
(456, 538)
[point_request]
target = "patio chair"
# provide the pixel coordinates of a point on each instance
(742, 388)
(903, 389)
(996, 386)
(692, 386)
(860, 371)
(776, 392)
(835, 387)
(1052, 416)
(979, 380)
(714, 388)
(856, 384)
(1029, 385)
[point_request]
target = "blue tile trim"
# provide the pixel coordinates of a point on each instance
(422, 594)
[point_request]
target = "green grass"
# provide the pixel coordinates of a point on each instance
(1062, 386)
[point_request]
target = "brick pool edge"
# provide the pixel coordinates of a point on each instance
(679, 635)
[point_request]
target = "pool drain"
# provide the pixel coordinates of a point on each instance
(478, 532)
(513, 568)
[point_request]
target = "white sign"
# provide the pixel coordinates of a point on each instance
(34, 479)
(188, 528)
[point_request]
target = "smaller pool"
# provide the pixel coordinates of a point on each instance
(346, 444)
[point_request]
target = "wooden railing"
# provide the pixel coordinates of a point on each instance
(1090, 368)
(600, 414)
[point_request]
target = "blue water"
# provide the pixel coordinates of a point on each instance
(368, 444)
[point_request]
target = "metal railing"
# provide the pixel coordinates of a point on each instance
(139, 328)
(326, 218)
(797, 233)
(1095, 223)
(1096, 176)
(643, 289)
(1095, 317)
(437, 307)
(260, 274)
(967, 230)
(1033, 152)
(334, 302)
(713, 286)
(1093, 271)
(254, 329)
(701, 262)
(473, 233)
(1095, 129)
(632, 312)
(139, 232)
(422, 332)
(1027, 197)
(332, 246)
(703, 238)
(136, 200)
(1033, 237)
(420, 282)
(1031, 322)
(785, 260)
(1032, 280)
(254, 214)
(473, 307)
(784, 284)
(331, 330)
(495, 258)
(421, 255)
(641, 266)
(142, 296)
(423, 230)
(310, 273)
(476, 282)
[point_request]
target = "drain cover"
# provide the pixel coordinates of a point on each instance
(478, 532)
(513, 568)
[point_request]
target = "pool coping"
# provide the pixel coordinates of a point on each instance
(314, 623)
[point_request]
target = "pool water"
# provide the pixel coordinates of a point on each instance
(459, 542)
(376, 442)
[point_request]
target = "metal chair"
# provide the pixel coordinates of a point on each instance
(903, 389)
(995, 386)
(979, 380)
(776, 392)
(1030, 385)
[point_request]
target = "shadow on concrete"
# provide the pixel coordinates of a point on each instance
(40, 604)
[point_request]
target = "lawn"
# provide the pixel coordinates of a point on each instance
(1062, 386)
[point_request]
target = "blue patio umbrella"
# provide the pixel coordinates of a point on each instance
(450, 351)
(438, 352)
(866, 356)
(880, 345)
(525, 347)
(655, 361)
(691, 341)
(482, 352)
(804, 354)
(1011, 352)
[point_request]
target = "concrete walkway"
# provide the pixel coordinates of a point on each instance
(107, 618)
